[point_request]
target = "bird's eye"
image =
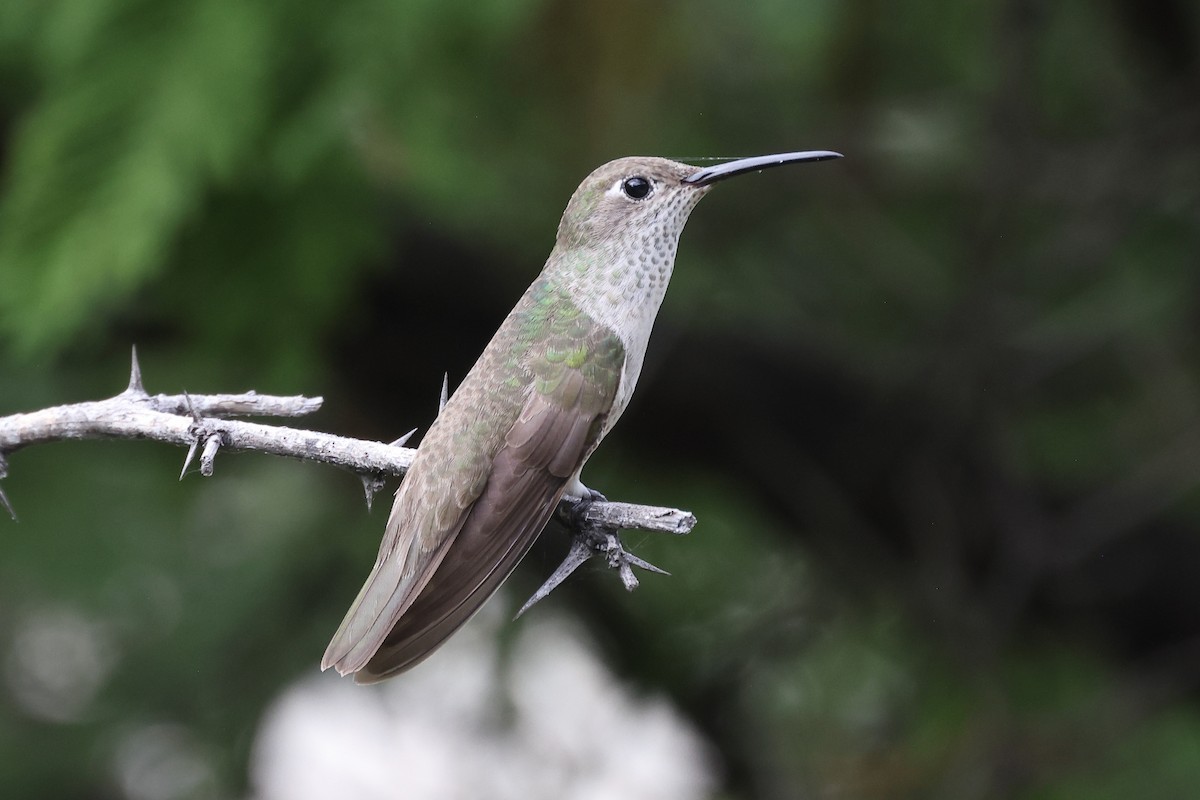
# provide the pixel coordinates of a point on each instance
(636, 187)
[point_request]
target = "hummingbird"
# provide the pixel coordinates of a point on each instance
(511, 441)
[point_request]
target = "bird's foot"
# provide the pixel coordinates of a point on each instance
(577, 516)
(590, 540)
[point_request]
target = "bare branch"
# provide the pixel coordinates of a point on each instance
(209, 456)
(167, 418)
(627, 516)
(199, 422)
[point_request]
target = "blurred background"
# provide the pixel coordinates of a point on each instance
(935, 405)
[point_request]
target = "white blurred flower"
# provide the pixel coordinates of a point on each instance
(163, 762)
(553, 722)
(59, 660)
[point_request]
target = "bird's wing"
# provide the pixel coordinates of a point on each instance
(558, 427)
(410, 605)
(416, 539)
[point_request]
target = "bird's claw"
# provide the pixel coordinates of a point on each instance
(579, 508)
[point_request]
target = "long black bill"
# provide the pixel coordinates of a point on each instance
(720, 172)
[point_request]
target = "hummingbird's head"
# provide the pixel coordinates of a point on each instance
(647, 200)
(637, 196)
(617, 239)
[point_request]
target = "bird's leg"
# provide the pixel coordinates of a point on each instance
(581, 499)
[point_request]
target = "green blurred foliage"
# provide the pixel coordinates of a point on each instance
(946, 480)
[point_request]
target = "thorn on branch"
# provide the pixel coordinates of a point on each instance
(580, 552)
(619, 555)
(403, 439)
(135, 388)
(187, 398)
(372, 483)
(445, 391)
(3, 497)
(8, 506)
(191, 453)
